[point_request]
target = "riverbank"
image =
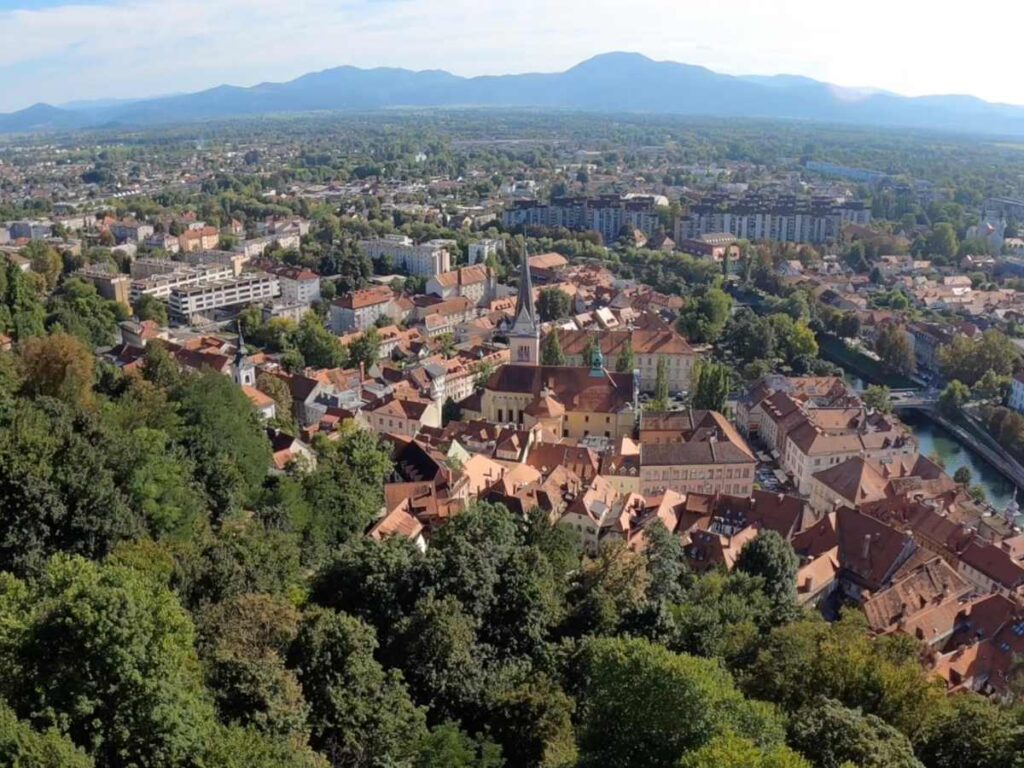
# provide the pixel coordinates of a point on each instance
(857, 363)
(954, 447)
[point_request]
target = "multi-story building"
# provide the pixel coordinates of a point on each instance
(257, 246)
(694, 452)
(187, 302)
(358, 310)
(113, 286)
(475, 283)
(200, 239)
(147, 266)
(403, 416)
(715, 246)
(423, 260)
(1016, 398)
(787, 219)
(235, 260)
(607, 214)
(164, 242)
(298, 285)
(574, 403)
(32, 230)
(130, 231)
(480, 251)
(161, 284)
(649, 346)
(859, 481)
(926, 339)
(826, 437)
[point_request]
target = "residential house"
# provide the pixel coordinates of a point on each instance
(358, 310)
(694, 451)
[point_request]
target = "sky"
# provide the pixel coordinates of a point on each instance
(57, 51)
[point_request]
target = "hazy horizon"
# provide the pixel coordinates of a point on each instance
(59, 51)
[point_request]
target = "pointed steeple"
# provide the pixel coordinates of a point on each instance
(524, 338)
(524, 301)
(239, 344)
(245, 371)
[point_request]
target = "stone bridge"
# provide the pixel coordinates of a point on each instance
(917, 399)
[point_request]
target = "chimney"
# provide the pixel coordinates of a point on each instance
(865, 549)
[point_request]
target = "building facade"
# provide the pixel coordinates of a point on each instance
(422, 260)
(187, 302)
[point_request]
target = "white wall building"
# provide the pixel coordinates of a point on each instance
(358, 310)
(298, 286)
(1016, 399)
(187, 302)
(479, 252)
(160, 285)
(424, 260)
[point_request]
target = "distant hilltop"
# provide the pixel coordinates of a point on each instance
(608, 83)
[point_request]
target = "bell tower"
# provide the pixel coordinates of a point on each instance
(524, 337)
(245, 371)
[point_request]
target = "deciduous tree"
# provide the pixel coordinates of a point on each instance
(360, 714)
(58, 366)
(634, 692)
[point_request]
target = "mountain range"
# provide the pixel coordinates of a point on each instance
(608, 83)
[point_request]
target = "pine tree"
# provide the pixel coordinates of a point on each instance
(711, 386)
(660, 402)
(590, 352)
(627, 360)
(551, 350)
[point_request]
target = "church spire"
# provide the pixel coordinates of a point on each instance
(239, 344)
(524, 338)
(524, 301)
(245, 371)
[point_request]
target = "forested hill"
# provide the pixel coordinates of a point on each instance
(166, 600)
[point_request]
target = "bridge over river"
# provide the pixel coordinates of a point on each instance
(918, 399)
(966, 431)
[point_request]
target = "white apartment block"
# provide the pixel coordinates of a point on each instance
(257, 246)
(424, 260)
(359, 310)
(1016, 399)
(160, 285)
(250, 288)
(481, 251)
(788, 220)
(298, 285)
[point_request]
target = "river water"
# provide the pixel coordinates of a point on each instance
(935, 439)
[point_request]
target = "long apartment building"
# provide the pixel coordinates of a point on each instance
(187, 302)
(782, 218)
(423, 260)
(606, 214)
(160, 277)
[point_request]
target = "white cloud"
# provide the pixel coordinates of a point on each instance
(140, 47)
